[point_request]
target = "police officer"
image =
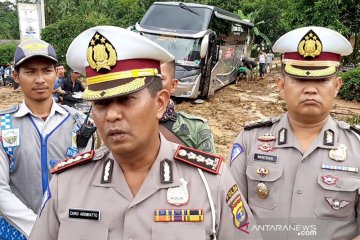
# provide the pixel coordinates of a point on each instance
(180, 127)
(300, 171)
(139, 186)
(34, 136)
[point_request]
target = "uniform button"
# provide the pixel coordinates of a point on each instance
(299, 191)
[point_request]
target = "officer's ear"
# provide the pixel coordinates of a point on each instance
(162, 100)
(339, 83)
(15, 76)
(174, 84)
(280, 82)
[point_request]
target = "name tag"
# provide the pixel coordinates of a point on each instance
(264, 157)
(84, 214)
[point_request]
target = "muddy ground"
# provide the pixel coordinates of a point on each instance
(230, 107)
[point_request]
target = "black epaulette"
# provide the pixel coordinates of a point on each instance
(347, 126)
(11, 109)
(263, 123)
(203, 160)
(355, 128)
(74, 161)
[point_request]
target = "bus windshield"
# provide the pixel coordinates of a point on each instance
(185, 50)
(177, 17)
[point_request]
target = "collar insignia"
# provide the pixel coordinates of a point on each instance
(107, 171)
(101, 54)
(282, 136)
(310, 45)
(329, 137)
(166, 172)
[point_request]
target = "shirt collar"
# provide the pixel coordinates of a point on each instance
(328, 132)
(24, 110)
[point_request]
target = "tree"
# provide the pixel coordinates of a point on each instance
(342, 16)
(61, 33)
(9, 27)
(7, 53)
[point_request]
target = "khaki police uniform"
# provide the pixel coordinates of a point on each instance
(93, 201)
(314, 192)
(187, 194)
(295, 194)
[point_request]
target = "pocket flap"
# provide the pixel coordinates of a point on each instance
(274, 173)
(339, 183)
(83, 230)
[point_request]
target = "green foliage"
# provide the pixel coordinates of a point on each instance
(7, 53)
(61, 33)
(9, 27)
(351, 85)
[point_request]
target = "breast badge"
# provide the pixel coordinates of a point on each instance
(262, 190)
(267, 137)
(178, 196)
(329, 180)
(339, 154)
(265, 147)
(262, 172)
(336, 204)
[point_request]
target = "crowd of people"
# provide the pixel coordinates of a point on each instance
(252, 69)
(157, 175)
(6, 78)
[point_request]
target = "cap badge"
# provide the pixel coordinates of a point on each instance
(310, 45)
(101, 53)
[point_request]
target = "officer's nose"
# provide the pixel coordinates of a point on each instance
(114, 112)
(40, 78)
(310, 87)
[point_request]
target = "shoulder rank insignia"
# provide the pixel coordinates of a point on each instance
(206, 161)
(71, 162)
(263, 123)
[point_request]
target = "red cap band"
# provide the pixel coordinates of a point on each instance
(324, 56)
(125, 65)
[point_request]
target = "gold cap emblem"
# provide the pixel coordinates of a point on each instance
(310, 45)
(101, 53)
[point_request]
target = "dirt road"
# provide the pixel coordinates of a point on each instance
(230, 108)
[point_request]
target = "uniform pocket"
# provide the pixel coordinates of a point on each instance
(271, 179)
(178, 231)
(337, 196)
(74, 230)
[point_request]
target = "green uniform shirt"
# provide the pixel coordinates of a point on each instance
(194, 132)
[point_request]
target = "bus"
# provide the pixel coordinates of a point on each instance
(208, 44)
